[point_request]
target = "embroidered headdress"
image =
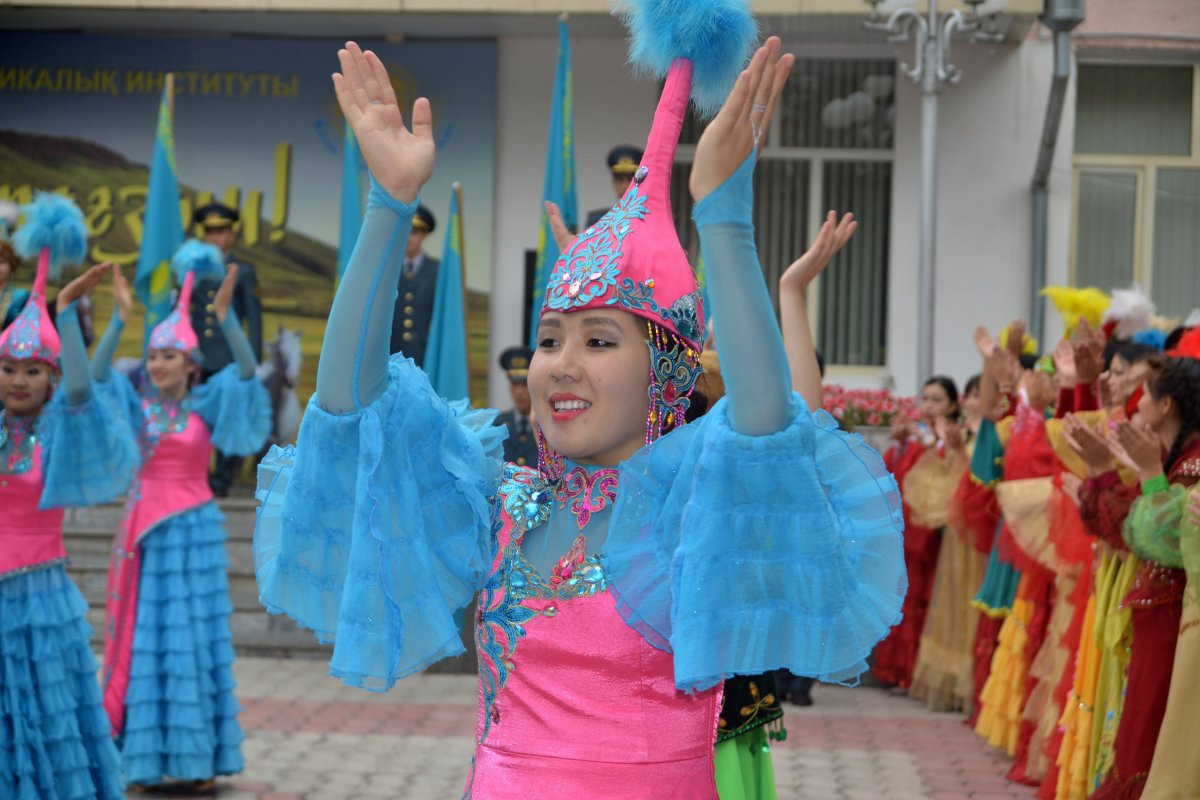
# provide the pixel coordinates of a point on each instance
(54, 232)
(193, 260)
(631, 259)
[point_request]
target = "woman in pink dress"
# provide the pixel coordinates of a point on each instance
(168, 652)
(643, 561)
(59, 446)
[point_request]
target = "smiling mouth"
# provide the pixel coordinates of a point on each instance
(563, 410)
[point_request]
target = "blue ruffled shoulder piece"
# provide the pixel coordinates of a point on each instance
(236, 409)
(376, 527)
(89, 452)
(743, 554)
(123, 400)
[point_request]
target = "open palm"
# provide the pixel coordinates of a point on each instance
(401, 160)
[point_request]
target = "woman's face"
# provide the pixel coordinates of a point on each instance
(935, 403)
(24, 385)
(169, 370)
(589, 380)
(1154, 411)
(5, 271)
(971, 405)
(1122, 379)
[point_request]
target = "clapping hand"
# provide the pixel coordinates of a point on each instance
(951, 434)
(401, 160)
(1089, 353)
(1137, 447)
(1064, 363)
(81, 286)
(1089, 444)
(984, 342)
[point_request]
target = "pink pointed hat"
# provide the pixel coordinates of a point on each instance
(54, 231)
(631, 258)
(32, 334)
(194, 258)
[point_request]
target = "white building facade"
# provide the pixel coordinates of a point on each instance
(864, 155)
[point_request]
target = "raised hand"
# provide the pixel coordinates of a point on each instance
(400, 160)
(225, 293)
(81, 286)
(1089, 444)
(562, 236)
(951, 433)
(1064, 363)
(1089, 353)
(1004, 367)
(121, 294)
(984, 342)
(830, 239)
(741, 123)
(1016, 337)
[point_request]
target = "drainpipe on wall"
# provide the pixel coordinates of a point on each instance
(1060, 16)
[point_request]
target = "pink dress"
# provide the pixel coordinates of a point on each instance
(570, 697)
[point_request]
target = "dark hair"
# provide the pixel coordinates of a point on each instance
(1028, 360)
(698, 406)
(1132, 352)
(1179, 379)
(1174, 336)
(948, 386)
(820, 362)
(972, 384)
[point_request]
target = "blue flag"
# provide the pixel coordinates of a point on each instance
(559, 186)
(162, 228)
(446, 353)
(352, 210)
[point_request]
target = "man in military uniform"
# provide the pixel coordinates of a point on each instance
(215, 222)
(414, 296)
(520, 447)
(623, 161)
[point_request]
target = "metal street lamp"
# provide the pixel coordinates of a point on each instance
(932, 34)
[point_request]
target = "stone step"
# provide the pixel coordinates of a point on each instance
(239, 516)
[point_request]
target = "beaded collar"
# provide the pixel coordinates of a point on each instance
(585, 490)
(18, 438)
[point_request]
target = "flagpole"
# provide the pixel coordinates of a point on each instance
(462, 265)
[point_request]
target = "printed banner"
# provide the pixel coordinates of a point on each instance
(256, 126)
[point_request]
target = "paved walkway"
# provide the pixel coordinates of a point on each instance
(310, 738)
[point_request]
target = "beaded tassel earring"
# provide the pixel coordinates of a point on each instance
(674, 368)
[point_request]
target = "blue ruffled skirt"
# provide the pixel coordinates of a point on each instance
(54, 734)
(180, 711)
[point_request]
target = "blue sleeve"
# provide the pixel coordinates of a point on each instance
(76, 379)
(375, 528)
(753, 360)
(89, 451)
(106, 348)
(743, 554)
(236, 409)
(353, 369)
(239, 346)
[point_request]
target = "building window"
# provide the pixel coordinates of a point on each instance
(830, 146)
(1137, 182)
